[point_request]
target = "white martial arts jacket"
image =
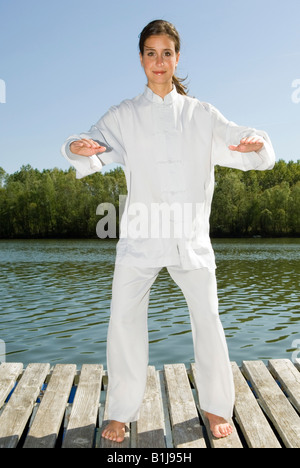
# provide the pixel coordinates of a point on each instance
(168, 148)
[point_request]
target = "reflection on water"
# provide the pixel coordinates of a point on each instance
(259, 297)
(55, 299)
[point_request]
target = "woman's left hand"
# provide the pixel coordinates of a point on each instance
(248, 144)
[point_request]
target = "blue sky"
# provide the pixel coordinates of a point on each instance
(65, 62)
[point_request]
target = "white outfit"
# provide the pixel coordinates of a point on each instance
(168, 148)
(127, 356)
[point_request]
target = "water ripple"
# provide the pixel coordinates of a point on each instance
(55, 299)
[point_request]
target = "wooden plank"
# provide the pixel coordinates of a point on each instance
(289, 377)
(9, 372)
(47, 422)
(18, 410)
(153, 428)
(231, 441)
(186, 428)
(150, 426)
(80, 431)
(297, 363)
(275, 404)
(252, 421)
(166, 415)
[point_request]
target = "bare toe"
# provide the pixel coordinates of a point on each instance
(218, 426)
(114, 431)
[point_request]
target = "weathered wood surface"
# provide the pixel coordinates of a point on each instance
(275, 403)
(251, 420)
(18, 410)
(38, 408)
(150, 426)
(289, 379)
(47, 421)
(9, 372)
(186, 428)
(83, 418)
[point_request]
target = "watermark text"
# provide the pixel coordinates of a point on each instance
(2, 92)
(296, 353)
(2, 351)
(154, 220)
(296, 94)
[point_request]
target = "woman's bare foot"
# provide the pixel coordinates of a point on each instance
(114, 431)
(218, 426)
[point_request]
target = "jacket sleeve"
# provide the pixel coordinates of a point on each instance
(106, 132)
(226, 133)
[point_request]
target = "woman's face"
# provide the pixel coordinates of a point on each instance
(159, 60)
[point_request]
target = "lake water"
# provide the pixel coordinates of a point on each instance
(55, 299)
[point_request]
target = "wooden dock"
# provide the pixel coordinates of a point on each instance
(66, 407)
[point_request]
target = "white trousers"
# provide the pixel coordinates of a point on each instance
(127, 340)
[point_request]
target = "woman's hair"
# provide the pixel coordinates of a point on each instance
(156, 28)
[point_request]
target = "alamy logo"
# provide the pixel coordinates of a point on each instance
(154, 220)
(296, 354)
(2, 351)
(296, 93)
(2, 92)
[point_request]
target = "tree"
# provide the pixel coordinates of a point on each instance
(229, 204)
(53, 203)
(293, 210)
(2, 176)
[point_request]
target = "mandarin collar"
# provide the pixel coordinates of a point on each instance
(168, 99)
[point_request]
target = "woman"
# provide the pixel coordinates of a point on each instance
(169, 144)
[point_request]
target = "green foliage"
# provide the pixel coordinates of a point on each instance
(254, 203)
(53, 203)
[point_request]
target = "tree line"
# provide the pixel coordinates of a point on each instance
(52, 203)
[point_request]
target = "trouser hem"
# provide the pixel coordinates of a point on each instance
(122, 419)
(216, 411)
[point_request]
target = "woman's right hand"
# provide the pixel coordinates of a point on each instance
(86, 147)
